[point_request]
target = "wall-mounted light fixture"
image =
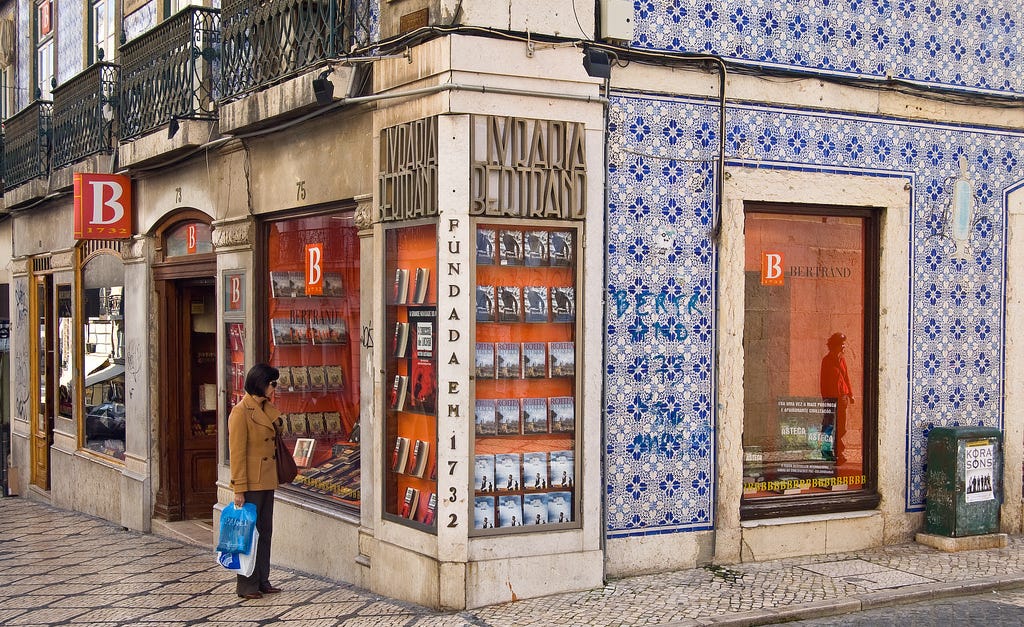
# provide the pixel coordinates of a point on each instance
(596, 63)
(323, 89)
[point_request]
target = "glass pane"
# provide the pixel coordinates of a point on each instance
(103, 355)
(41, 362)
(65, 332)
(189, 239)
(803, 355)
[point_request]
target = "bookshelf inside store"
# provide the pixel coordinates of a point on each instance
(525, 451)
(411, 375)
(312, 346)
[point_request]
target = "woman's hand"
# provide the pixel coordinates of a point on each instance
(239, 500)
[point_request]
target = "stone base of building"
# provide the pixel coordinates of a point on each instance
(968, 543)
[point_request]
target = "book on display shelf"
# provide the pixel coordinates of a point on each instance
(563, 304)
(419, 292)
(510, 510)
(535, 509)
(426, 514)
(510, 303)
(333, 287)
(286, 333)
(483, 473)
(509, 362)
(297, 424)
(335, 378)
(317, 377)
(483, 512)
(300, 378)
(562, 358)
(400, 341)
(410, 502)
(297, 282)
(507, 411)
(485, 303)
(284, 378)
(535, 248)
(562, 412)
(332, 420)
(485, 246)
(560, 248)
(535, 471)
(486, 423)
(422, 321)
(285, 427)
(400, 292)
(484, 360)
(317, 426)
(535, 303)
(280, 285)
(506, 472)
(338, 330)
(418, 458)
(400, 454)
(561, 469)
(510, 248)
(535, 360)
(559, 507)
(399, 391)
(303, 451)
(535, 415)
(423, 386)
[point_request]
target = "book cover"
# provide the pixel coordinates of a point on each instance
(483, 512)
(510, 303)
(297, 284)
(483, 473)
(507, 412)
(510, 248)
(399, 390)
(535, 415)
(562, 411)
(510, 510)
(509, 366)
(535, 471)
(535, 303)
(484, 360)
(535, 248)
(300, 378)
(560, 248)
(333, 287)
(317, 377)
(423, 383)
(426, 514)
(535, 360)
(485, 246)
(284, 378)
(419, 458)
(338, 331)
(285, 427)
(400, 454)
(400, 293)
(335, 378)
(506, 472)
(485, 303)
(422, 325)
(280, 285)
(561, 469)
(317, 426)
(484, 414)
(285, 334)
(332, 421)
(303, 452)
(562, 356)
(563, 304)
(410, 502)
(400, 341)
(559, 507)
(419, 292)
(535, 509)
(297, 425)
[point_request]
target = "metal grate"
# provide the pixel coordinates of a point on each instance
(27, 144)
(40, 264)
(171, 71)
(91, 246)
(84, 109)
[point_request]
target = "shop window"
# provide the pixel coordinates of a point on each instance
(103, 355)
(809, 329)
(313, 318)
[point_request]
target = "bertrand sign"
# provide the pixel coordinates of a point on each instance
(407, 182)
(103, 206)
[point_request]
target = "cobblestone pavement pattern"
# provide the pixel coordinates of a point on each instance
(59, 567)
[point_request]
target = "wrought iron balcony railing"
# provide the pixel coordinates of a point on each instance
(84, 110)
(170, 72)
(266, 41)
(27, 144)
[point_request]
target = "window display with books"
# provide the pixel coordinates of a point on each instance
(410, 494)
(313, 287)
(525, 447)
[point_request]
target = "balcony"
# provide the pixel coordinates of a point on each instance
(269, 41)
(84, 110)
(27, 144)
(170, 73)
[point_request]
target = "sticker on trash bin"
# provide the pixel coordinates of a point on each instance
(979, 462)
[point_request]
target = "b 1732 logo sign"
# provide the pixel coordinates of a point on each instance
(103, 206)
(314, 269)
(771, 269)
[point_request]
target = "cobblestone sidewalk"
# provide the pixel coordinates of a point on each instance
(59, 567)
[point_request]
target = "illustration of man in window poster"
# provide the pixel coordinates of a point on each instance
(835, 388)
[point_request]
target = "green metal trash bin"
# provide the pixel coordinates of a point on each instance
(964, 481)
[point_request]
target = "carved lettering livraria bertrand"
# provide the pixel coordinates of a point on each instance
(407, 182)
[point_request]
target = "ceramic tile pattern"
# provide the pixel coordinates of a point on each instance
(68, 17)
(973, 44)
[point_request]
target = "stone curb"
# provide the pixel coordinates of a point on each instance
(848, 605)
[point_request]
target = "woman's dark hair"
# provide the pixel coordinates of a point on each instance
(259, 378)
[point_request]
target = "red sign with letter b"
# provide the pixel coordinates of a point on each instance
(103, 206)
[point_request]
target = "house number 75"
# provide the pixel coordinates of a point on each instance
(300, 190)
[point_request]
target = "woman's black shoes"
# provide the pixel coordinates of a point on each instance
(252, 596)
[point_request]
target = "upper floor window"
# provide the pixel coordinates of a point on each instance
(104, 29)
(44, 49)
(177, 5)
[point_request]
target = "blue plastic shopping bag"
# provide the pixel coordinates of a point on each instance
(240, 563)
(236, 529)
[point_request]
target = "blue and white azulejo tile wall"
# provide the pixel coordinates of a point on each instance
(973, 44)
(662, 288)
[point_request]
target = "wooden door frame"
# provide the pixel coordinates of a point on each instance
(36, 310)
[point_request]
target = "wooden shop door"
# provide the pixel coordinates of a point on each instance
(41, 313)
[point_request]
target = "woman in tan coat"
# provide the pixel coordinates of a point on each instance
(251, 430)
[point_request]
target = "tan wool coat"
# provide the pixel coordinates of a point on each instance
(251, 445)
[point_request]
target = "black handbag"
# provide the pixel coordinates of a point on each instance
(286, 468)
